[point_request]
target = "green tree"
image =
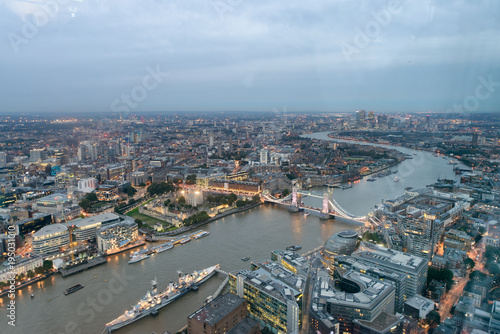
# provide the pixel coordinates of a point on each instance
(130, 191)
(142, 184)
(167, 202)
(181, 200)
(286, 192)
(433, 318)
(92, 197)
(191, 179)
(47, 265)
(138, 222)
(442, 275)
(30, 274)
(39, 270)
(255, 198)
(85, 204)
(469, 263)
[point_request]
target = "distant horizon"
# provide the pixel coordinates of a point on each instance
(331, 56)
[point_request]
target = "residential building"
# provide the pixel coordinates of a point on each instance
(115, 236)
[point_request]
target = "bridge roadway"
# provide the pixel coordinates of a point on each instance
(337, 211)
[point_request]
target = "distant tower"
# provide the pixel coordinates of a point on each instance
(294, 196)
(211, 140)
(264, 156)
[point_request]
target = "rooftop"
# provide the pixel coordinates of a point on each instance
(382, 323)
(50, 229)
(244, 327)
(419, 302)
(390, 257)
(216, 310)
(102, 218)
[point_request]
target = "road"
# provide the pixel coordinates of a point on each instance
(451, 297)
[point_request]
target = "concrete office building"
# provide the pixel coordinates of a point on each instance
(50, 239)
(413, 266)
(272, 293)
(351, 295)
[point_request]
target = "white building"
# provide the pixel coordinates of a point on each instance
(87, 185)
(111, 238)
(22, 265)
(86, 229)
(264, 158)
(50, 239)
(194, 198)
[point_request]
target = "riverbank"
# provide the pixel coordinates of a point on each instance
(25, 284)
(217, 217)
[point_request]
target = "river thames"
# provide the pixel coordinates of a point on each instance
(112, 288)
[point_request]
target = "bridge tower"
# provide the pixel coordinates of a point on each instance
(294, 196)
(324, 211)
(294, 206)
(325, 203)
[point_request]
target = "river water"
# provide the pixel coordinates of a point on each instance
(112, 288)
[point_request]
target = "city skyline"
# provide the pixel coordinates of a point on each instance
(401, 56)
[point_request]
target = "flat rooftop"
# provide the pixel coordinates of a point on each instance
(217, 309)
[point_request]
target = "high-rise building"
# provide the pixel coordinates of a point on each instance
(37, 155)
(272, 293)
(413, 266)
(264, 158)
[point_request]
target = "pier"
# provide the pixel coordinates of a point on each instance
(84, 266)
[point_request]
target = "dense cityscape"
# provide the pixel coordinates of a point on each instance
(84, 198)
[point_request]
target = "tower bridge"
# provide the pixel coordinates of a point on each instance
(330, 208)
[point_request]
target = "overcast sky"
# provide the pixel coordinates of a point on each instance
(249, 55)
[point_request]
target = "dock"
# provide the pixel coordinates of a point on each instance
(82, 267)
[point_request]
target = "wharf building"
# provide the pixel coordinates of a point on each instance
(115, 236)
(413, 266)
(221, 316)
(273, 294)
(350, 295)
(50, 239)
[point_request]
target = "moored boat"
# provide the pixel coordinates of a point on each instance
(155, 300)
(136, 257)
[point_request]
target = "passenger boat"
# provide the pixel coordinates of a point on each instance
(74, 288)
(396, 179)
(293, 248)
(162, 248)
(136, 257)
(246, 258)
(202, 234)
